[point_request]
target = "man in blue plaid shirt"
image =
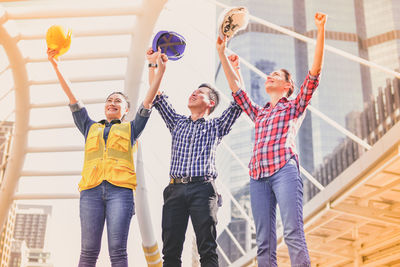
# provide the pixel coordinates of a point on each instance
(191, 191)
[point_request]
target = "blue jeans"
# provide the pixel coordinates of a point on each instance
(284, 188)
(111, 204)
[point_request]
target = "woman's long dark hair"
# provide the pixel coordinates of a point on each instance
(289, 79)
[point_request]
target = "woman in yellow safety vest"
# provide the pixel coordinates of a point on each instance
(108, 175)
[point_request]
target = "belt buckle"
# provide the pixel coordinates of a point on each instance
(185, 179)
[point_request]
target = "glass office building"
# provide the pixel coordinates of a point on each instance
(340, 91)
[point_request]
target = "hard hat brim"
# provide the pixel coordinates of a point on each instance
(171, 43)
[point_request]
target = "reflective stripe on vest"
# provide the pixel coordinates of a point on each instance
(112, 162)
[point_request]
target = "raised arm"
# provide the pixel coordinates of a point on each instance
(143, 113)
(320, 20)
(311, 82)
(228, 118)
(235, 63)
(152, 63)
(65, 85)
(232, 72)
(79, 112)
(155, 80)
(167, 111)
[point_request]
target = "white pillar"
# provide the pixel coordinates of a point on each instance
(18, 146)
(140, 40)
(149, 241)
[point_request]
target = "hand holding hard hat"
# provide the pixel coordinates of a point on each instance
(57, 40)
(231, 21)
(171, 44)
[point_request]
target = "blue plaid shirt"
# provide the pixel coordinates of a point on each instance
(194, 143)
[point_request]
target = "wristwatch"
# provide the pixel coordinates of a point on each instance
(153, 65)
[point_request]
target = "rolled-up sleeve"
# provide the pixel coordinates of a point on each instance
(144, 112)
(81, 118)
(307, 89)
(76, 107)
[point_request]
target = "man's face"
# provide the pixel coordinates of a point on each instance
(200, 99)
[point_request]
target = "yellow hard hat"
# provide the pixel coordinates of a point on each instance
(57, 40)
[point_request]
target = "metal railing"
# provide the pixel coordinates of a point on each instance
(378, 116)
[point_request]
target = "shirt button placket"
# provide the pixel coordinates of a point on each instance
(191, 143)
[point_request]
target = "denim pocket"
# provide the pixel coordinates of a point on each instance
(219, 200)
(212, 188)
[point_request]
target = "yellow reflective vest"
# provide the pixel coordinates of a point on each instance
(112, 162)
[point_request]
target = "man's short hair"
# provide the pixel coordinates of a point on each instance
(213, 94)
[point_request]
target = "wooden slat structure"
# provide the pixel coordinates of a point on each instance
(377, 118)
(355, 221)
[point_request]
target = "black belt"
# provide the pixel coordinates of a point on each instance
(186, 180)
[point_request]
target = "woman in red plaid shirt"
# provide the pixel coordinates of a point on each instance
(274, 170)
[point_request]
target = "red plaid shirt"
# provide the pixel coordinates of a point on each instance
(276, 128)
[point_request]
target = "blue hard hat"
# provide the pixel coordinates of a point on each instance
(171, 43)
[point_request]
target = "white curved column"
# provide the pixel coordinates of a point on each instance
(140, 40)
(18, 146)
(149, 242)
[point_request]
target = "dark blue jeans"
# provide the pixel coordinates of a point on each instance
(284, 188)
(111, 204)
(199, 201)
